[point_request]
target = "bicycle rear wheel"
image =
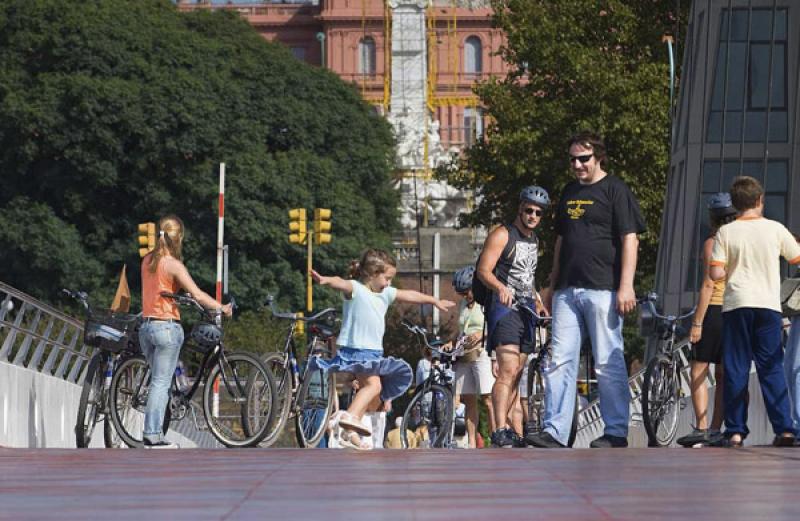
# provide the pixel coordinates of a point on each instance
(314, 407)
(275, 363)
(130, 387)
(660, 401)
(535, 383)
(238, 400)
(430, 409)
(91, 403)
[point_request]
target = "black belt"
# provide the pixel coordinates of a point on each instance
(154, 319)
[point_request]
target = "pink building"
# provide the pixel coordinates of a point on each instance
(352, 38)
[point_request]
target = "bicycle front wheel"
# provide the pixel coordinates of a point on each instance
(238, 400)
(91, 403)
(660, 401)
(429, 414)
(130, 387)
(275, 362)
(314, 407)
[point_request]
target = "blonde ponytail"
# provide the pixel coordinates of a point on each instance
(169, 241)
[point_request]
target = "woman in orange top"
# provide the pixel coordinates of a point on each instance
(161, 335)
(706, 334)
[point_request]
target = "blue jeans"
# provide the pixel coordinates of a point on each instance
(161, 343)
(578, 312)
(754, 335)
(792, 369)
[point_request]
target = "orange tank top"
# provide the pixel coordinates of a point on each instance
(153, 304)
(718, 293)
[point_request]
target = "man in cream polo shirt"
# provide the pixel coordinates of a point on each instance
(747, 252)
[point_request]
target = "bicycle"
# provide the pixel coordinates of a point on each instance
(238, 390)
(431, 405)
(536, 326)
(115, 336)
(662, 388)
(306, 395)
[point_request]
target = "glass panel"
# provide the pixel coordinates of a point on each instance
(753, 169)
(780, 24)
(714, 127)
(775, 207)
(730, 170)
(755, 126)
(472, 55)
(760, 25)
(778, 76)
(366, 53)
(711, 177)
(778, 127)
(736, 76)
(777, 177)
(719, 78)
(759, 75)
(733, 127)
(739, 26)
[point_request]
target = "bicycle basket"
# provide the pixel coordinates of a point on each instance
(109, 331)
(205, 336)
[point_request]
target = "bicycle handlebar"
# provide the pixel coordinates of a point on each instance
(530, 307)
(187, 300)
(420, 331)
(80, 296)
(270, 301)
(649, 301)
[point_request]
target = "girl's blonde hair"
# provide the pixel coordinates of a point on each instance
(169, 240)
(372, 262)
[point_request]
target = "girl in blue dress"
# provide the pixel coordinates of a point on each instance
(367, 297)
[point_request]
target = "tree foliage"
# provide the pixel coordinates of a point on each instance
(576, 64)
(115, 112)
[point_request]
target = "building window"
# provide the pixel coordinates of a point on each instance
(750, 78)
(473, 125)
(473, 55)
(299, 53)
(366, 56)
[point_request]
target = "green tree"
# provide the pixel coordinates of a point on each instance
(115, 112)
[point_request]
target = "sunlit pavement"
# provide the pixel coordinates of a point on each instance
(503, 484)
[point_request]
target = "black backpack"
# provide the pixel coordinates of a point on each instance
(480, 292)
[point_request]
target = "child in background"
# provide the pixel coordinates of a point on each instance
(367, 297)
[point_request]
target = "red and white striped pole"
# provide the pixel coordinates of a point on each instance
(220, 228)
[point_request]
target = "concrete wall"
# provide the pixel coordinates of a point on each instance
(37, 410)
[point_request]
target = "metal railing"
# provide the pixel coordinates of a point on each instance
(41, 338)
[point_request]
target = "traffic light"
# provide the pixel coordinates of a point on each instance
(297, 226)
(322, 226)
(147, 238)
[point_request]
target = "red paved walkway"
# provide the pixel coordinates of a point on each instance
(631, 484)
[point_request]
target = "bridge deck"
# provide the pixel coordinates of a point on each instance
(634, 484)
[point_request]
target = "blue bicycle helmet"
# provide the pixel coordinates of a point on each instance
(462, 279)
(536, 195)
(720, 205)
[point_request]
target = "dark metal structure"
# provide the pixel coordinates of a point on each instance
(737, 114)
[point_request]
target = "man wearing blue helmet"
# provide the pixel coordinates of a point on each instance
(591, 287)
(507, 267)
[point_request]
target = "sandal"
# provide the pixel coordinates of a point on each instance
(347, 422)
(346, 437)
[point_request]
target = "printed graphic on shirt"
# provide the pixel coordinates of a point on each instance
(575, 208)
(523, 268)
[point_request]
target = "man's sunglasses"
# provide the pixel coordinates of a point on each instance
(533, 211)
(584, 158)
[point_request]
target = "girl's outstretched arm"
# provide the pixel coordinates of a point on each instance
(415, 297)
(337, 283)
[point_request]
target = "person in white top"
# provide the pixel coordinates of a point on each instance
(474, 368)
(747, 252)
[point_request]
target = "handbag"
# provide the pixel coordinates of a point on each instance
(471, 353)
(790, 297)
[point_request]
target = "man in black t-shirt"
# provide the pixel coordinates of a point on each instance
(591, 287)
